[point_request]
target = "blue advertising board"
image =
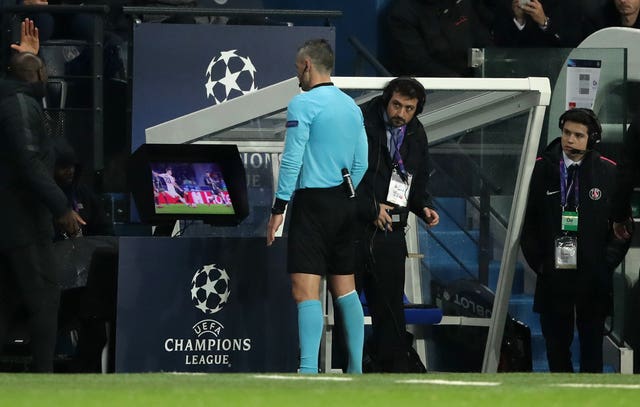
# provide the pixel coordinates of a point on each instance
(204, 305)
(182, 68)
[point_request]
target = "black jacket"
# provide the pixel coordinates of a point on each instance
(80, 197)
(564, 29)
(415, 154)
(91, 209)
(29, 194)
(590, 284)
(605, 16)
(432, 37)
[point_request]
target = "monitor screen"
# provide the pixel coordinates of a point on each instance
(190, 188)
(189, 181)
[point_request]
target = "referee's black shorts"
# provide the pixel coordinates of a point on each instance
(321, 232)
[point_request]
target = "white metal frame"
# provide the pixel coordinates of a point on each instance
(468, 103)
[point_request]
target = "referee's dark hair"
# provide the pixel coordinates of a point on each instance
(407, 87)
(320, 52)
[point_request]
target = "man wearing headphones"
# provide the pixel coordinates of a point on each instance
(567, 238)
(394, 185)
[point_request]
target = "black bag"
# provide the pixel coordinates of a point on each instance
(370, 363)
(470, 298)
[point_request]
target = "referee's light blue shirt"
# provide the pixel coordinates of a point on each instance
(325, 133)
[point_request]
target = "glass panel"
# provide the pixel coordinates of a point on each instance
(269, 128)
(611, 100)
(473, 181)
(261, 140)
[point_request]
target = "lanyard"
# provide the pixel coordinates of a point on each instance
(396, 140)
(565, 189)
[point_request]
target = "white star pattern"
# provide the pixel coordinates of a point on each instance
(248, 65)
(209, 87)
(226, 55)
(229, 75)
(209, 288)
(229, 80)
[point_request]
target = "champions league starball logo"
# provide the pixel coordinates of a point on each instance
(209, 293)
(210, 289)
(229, 75)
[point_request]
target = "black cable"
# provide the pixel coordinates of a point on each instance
(371, 263)
(183, 228)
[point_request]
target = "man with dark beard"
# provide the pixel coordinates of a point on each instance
(394, 184)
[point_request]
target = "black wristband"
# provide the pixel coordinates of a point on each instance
(279, 206)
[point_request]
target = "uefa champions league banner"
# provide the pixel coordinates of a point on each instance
(204, 305)
(181, 68)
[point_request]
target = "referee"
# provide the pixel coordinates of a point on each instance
(325, 134)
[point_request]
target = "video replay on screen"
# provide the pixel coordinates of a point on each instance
(192, 188)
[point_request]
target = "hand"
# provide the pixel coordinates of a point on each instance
(383, 222)
(71, 223)
(536, 11)
(275, 221)
(518, 12)
(622, 230)
(431, 217)
(29, 38)
(36, 2)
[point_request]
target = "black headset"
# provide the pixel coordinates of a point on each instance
(406, 86)
(579, 115)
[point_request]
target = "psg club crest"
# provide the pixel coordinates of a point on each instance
(595, 194)
(229, 75)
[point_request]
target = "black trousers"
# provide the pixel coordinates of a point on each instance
(29, 280)
(383, 283)
(558, 329)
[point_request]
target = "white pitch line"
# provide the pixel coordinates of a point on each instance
(189, 373)
(304, 377)
(599, 385)
(449, 382)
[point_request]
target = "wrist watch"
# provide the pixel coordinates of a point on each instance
(544, 26)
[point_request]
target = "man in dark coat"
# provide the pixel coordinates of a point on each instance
(539, 23)
(567, 238)
(81, 198)
(433, 37)
(394, 164)
(30, 197)
(614, 13)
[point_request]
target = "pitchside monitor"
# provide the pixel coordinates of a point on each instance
(189, 181)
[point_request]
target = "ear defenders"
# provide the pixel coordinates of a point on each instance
(580, 115)
(408, 87)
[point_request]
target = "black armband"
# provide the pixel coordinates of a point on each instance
(279, 206)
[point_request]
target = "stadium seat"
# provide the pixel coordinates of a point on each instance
(415, 314)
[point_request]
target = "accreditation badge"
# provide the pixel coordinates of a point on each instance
(566, 252)
(399, 189)
(569, 221)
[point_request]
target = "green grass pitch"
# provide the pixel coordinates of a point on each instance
(201, 209)
(284, 390)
